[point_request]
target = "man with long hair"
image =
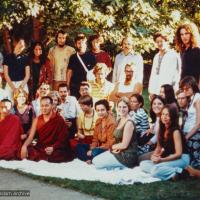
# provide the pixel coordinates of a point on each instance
(188, 43)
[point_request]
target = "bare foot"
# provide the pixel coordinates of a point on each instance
(89, 162)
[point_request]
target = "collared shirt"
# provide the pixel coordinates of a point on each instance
(167, 72)
(120, 62)
(70, 108)
(101, 92)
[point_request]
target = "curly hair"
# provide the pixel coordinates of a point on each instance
(194, 33)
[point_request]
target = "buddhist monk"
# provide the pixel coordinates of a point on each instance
(52, 136)
(10, 132)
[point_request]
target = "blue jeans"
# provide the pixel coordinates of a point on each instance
(107, 160)
(82, 150)
(165, 170)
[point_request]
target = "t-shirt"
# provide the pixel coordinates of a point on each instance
(103, 57)
(78, 72)
(16, 66)
(191, 63)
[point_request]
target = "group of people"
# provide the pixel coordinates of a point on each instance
(73, 104)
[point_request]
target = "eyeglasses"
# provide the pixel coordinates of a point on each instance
(129, 71)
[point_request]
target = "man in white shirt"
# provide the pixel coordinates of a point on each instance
(70, 109)
(59, 57)
(3, 93)
(128, 56)
(43, 90)
(166, 67)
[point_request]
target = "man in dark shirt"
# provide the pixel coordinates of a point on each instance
(188, 43)
(76, 72)
(16, 69)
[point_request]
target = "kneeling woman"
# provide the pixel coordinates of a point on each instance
(170, 156)
(124, 152)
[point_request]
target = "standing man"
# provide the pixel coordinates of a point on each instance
(76, 72)
(59, 58)
(188, 43)
(16, 69)
(127, 56)
(166, 68)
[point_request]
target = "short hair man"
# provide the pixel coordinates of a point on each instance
(69, 108)
(76, 72)
(52, 143)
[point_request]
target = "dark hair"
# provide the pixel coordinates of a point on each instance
(59, 32)
(47, 97)
(86, 100)
(139, 98)
(80, 36)
(191, 82)
(173, 114)
(104, 103)
(63, 85)
(42, 56)
(169, 93)
(192, 29)
(85, 83)
(158, 34)
(152, 114)
(6, 100)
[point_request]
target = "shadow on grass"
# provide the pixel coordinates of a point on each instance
(188, 189)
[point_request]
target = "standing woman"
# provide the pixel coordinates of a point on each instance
(191, 127)
(24, 111)
(170, 156)
(16, 69)
(40, 68)
(124, 151)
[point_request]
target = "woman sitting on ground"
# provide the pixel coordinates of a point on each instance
(103, 134)
(170, 156)
(124, 152)
(140, 117)
(145, 151)
(191, 128)
(24, 111)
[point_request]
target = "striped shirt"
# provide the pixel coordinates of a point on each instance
(140, 118)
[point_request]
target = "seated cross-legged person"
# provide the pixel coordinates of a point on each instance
(10, 132)
(86, 122)
(170, 156)
(126, 87)
(124, 152)
(52, 143)
(103, 134)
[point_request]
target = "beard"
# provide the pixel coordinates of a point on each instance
(61, 45)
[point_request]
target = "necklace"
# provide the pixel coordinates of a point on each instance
(84, 126)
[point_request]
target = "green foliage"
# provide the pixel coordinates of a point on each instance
(112, 18)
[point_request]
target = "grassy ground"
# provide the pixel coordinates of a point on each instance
(188, 189)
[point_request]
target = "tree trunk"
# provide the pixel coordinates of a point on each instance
(36, 29)
(6, 39)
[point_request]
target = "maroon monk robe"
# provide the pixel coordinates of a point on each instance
(10, 138)
(53, 133)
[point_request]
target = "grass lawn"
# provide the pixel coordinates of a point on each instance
(188, 189)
